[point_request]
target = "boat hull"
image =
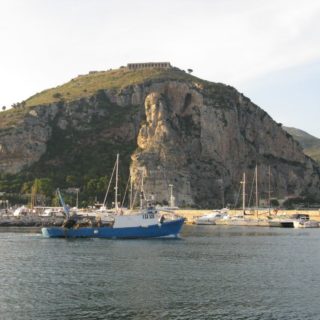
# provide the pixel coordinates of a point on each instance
(166, 229)
(205, 222)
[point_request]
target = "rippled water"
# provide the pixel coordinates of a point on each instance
(211, 273)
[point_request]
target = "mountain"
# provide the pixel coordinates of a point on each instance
(309, 143)
(175, 128)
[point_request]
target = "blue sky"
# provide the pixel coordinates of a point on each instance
(269, 50)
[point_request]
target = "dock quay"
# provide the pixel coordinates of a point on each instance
(260, 218)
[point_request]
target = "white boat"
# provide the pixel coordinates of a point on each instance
(305, 224)
(21, 211)
(293, 223)
(211, 218)
(282, 222)
(52, 212)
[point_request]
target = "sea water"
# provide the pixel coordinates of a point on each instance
(212, 272)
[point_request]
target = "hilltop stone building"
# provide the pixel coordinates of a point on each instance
(148, 65)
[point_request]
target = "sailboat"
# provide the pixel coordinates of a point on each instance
(243, 219)
(147, 222)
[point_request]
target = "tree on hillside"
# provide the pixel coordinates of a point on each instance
(190, 70)
(41, 190)
(71, 181)
(26, 187)
(4, 108)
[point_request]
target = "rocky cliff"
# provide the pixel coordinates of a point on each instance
(175, 128)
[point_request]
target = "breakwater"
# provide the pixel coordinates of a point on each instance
(30, 221)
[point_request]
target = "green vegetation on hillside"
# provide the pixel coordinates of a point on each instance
(87, 85)
(309, 143)
(12, 117)
(78, 156)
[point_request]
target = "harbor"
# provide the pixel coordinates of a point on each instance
(160, 160)
(260, 218)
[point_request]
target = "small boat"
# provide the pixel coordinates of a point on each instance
(305, 224)
(281, 222)
(293, 223)
(211, 218)
(145, 223)
(21, 212)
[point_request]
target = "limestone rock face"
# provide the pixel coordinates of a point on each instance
(23, 144)
(200, 137)
(202, 140)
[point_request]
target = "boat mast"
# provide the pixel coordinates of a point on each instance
(109, 184)
(171, 202)
(116, 187)
(77, 199)
(141, 192)
(222, 192)
(257, 196)
(244, 193)
(131, 192)
(33, 196)
(269, 199)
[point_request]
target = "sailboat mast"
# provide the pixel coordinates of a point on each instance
(131, 192)
(269, 200)
(116, 187)
(244, 193)
(257, 195)
(171, 204)
(141, 192)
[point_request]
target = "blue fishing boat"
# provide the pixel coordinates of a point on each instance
(147, 222)
(122, 228)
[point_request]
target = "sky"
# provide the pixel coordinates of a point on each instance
(268, 50)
